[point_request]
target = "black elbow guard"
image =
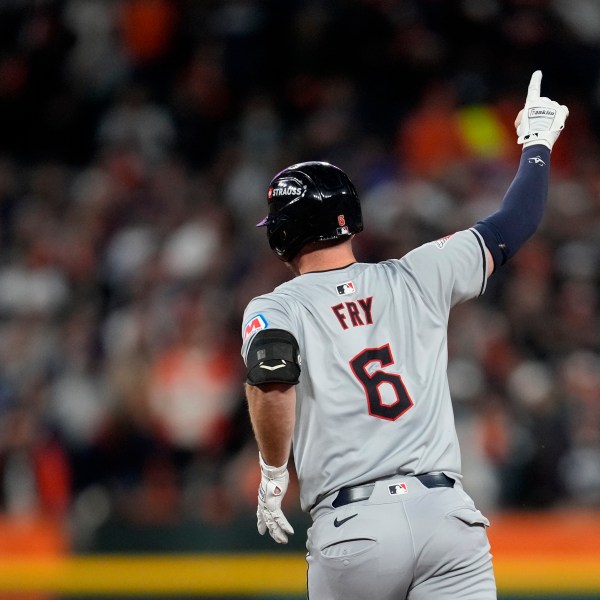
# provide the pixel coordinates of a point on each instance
(273, 357)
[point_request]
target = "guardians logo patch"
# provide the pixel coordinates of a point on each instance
(442, 241)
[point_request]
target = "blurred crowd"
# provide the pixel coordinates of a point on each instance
(137, 139)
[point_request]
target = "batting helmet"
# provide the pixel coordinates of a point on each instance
(310, 202)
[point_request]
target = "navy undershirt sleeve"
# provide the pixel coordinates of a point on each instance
(522, 208)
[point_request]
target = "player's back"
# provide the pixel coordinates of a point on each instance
(373, 398)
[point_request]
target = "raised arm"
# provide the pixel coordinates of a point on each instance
(538, 126)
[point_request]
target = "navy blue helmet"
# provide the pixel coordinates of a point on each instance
(310, 202)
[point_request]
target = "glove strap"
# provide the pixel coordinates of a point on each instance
(538, 137)
(271, 472)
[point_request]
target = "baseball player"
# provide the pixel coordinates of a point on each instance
(348, 361)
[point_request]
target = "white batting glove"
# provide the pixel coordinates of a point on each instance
(273, 486)
(542, 119)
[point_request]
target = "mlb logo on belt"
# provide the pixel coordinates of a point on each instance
(255, 324)
(345, 288)
(398, 488)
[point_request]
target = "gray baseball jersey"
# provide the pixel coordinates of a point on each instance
(373, 397)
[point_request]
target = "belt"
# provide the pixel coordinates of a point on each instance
(357, 493)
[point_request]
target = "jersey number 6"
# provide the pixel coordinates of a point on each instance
(373, 379)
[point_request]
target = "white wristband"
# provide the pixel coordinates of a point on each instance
(271, 472)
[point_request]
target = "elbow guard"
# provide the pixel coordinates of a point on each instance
(273, 357)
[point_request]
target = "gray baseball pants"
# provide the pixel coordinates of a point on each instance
(406, 542)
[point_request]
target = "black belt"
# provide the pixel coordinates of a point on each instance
(363, 492)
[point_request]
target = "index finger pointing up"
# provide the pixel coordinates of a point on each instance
(533, 92)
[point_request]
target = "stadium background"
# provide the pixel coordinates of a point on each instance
(136, 141)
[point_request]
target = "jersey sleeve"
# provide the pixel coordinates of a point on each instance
(265, 312)
(450, 270)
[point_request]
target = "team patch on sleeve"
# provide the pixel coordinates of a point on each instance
(256, 323)
(442, 241)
